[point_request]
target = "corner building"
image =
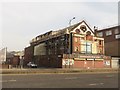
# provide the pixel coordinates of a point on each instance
(75, 46)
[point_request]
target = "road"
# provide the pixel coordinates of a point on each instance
(89, 80)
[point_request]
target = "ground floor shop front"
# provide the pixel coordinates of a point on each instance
(73, 61)
(70, 63)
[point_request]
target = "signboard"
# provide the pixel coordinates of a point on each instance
(90, 59)
(68, 62)
(91, 56)
(99, 59)
(107, 63)
(83, 56)
(79, 59)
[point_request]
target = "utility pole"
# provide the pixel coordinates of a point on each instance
(70, 43)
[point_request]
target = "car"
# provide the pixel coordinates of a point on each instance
(32, 65)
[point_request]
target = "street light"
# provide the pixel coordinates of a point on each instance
(70, 36)
(71, 20)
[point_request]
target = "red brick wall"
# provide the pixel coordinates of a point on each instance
(4, 66)
(89, 64)
(29, 52)
(99, 64)
(15, 60)
(78, 64)
(76, 44)
(89, 37)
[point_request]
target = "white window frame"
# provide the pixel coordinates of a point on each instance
(100, 34)
(108, 33)
(116, 31)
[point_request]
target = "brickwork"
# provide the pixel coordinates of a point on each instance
(77, 42)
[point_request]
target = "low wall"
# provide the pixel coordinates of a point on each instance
(5, 66)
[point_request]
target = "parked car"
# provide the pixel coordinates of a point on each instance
(32, 65)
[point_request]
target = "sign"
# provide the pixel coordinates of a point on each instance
(68, 62)
(83, 56)
(79, 58)
(107, 63)
(90, 56)
(90, 59)
(99, 59)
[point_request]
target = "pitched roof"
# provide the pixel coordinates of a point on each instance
(70, 28)
(108, 28)
(59, 32)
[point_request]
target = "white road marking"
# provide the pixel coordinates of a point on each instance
(93, 84)
(101, 83)
(3, 81)
(12, 80)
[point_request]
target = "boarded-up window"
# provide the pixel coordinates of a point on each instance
(40, 49)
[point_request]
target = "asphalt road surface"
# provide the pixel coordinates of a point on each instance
(89, 80)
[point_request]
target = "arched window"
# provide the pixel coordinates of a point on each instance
(83, 28)
(77, 31)
(88, 33)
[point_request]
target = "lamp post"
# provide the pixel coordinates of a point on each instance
(70, 43)
(70, 35)
(71, 21)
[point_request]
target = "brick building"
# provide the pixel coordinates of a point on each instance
(75, 46)
(111, 37)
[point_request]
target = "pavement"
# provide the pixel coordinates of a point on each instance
(54, 70)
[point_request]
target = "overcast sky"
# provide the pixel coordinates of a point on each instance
(22, 21)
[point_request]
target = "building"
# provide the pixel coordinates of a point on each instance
(75, 46)
(111, 37)
(17, 59)
(10, 59)
(3, 54)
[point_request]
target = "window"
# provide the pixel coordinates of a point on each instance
(100, 42)
(100, 34)
(117, 36)
(86, 47)
(116, 31)
(76, 48)
(108, 33)
(88, 33)
(83, 46)
(76, 39)
(77, 31)
(83, 28)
